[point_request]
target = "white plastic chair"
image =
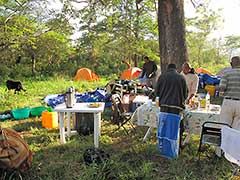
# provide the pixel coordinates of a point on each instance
(230, 144)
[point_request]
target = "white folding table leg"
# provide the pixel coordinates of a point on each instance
(97, 128)
(62, 128)
(68, 124)
(147, 133)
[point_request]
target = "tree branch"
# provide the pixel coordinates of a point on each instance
(15, 11)
(139, 1)
(196, 4)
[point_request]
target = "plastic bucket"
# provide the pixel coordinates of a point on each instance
(49, 119)
(21, 113)
(210, 89)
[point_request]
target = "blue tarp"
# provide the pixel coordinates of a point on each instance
(98, 95)
(143, 79)
(168, 128)
(206, 79)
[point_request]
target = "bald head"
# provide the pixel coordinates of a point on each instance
(235, 61)
(186, 67)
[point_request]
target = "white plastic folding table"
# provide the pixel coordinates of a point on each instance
(193, 118)
(79, 108)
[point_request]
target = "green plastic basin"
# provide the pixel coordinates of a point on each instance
(21, 113)
(37, 111)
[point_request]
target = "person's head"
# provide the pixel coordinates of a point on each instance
(146, 58)
(235, 61)
(172, 66)
(192, 71)
(186, 68)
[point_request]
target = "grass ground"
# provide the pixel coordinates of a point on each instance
(130, 158)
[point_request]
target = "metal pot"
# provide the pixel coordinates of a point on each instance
(70, 97)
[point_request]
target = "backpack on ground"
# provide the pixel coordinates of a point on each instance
(14, 151)
(94, 155)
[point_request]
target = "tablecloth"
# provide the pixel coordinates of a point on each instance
(193, 119)
(146, 115)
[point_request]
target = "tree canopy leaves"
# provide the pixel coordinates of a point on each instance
(41, 35)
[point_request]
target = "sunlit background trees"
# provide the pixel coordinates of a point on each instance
(57, 37)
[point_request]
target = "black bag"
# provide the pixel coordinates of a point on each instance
(84, 123)
(93, 155)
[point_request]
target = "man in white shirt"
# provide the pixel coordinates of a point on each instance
(191, 80)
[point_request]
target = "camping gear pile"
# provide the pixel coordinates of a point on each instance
(123, 87)
(98, 95)
(120, 87)
(208, 81)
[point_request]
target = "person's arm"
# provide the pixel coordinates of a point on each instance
(189, 98)
(154, 70)
(157, 88)
(185, 89)
(154, 67)
(194, 87)
(223, 85)
(143, 71)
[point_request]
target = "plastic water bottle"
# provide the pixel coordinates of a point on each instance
(216, 93)
(207, 101)
(199, 102)
(157, 101)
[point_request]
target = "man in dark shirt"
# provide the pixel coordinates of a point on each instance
(172, 90)
(149, 69)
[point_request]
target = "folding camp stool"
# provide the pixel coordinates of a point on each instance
(120, 117)
(210, 135)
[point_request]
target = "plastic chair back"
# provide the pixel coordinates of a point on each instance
(211, 134)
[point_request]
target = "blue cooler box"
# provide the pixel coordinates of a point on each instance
(168, 133)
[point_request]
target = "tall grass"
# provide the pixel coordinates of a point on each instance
(37, 90)
(130, 158)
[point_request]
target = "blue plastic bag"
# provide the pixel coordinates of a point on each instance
(100, 94)
(209, 79)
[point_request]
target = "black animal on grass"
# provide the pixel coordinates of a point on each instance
(15, 85)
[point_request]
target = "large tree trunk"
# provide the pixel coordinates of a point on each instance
(171, 28)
